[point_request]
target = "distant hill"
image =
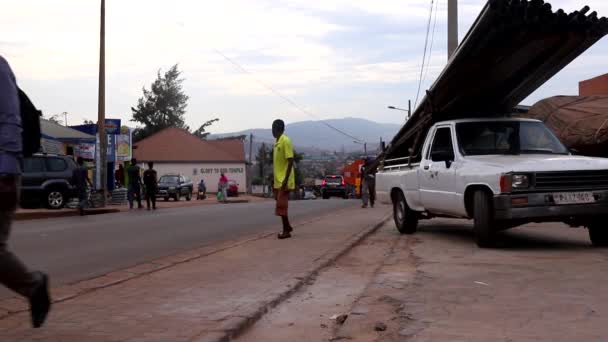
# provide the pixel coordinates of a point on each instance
(310, 136)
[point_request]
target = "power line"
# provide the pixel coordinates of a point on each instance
(432, 40)
(426, 42)
(285, 98)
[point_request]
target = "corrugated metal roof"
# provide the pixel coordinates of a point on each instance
(513, 48)
(55, 131)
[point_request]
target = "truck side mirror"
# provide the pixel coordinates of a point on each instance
(443, 156)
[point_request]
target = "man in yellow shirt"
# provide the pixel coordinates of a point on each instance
(284, 179)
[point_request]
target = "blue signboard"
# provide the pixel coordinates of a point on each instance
(112, 126)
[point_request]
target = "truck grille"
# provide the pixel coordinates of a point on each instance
(572, 180)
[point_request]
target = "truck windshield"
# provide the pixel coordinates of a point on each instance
(507, 137)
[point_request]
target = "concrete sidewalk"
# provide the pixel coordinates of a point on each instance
(209, 298)
(42, 213)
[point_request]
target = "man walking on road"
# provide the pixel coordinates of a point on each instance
(150, 182)
(13, 273)
(134, 184)
(368, 185)
(80, 178)
(284, 179)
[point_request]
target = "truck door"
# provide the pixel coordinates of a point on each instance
(437, 174)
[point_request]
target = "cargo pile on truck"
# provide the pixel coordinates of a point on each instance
(580, 122)
(463, 155)
(512, 48)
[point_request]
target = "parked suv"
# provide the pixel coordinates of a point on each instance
(334, 186)
(47, 179)
(175, 186)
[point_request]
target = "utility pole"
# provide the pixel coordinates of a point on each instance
(262, 167)
(250, 166)
(101, 104)
(452, 27)
(250, 146)
(65, 115)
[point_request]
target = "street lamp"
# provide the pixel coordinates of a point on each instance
(364, 145)
(409, 110)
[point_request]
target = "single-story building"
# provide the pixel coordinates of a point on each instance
(62, 140)
(597, 86)
(175, 150)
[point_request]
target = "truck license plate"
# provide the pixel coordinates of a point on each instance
(573, 198)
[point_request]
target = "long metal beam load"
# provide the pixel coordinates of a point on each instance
(513, 48)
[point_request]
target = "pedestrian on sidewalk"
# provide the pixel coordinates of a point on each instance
(223, 187)
(284, 179)
(150, 184)
(368, 185)
(133, 172)
(13, 273)
(80, 179)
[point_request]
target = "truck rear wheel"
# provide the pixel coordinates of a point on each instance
(482, 217)
(406, 219)
(598, 233)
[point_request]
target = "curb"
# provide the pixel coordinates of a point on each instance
(234, 327)
(59, 214)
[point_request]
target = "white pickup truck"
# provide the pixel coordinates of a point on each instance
(501, 173)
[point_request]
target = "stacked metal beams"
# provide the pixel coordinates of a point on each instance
(513, 48)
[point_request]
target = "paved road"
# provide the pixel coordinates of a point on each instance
(73, 249)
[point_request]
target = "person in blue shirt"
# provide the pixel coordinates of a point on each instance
(13, 273)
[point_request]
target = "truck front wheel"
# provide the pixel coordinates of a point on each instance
(598, 234)
(482, 218)
(406, 219)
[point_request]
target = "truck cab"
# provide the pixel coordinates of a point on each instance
(500, 172)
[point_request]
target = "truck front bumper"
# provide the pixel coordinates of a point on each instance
(542, 207)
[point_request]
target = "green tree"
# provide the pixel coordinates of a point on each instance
(56, 118)
(163, 106)
(264, 160)
(201, 132)
(299, 174)
(241, 137)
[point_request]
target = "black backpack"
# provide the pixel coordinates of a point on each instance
(30, 124)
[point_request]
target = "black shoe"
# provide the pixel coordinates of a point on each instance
(284, 235)
(40, 302)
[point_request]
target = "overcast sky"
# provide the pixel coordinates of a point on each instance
(335, 58)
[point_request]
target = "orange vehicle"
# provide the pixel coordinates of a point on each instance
(352, 175)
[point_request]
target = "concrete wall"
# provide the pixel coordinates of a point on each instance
(209, 172)
(593, 87)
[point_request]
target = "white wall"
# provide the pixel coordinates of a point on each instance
(209, 172)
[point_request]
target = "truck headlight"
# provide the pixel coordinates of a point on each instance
(520, 181)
